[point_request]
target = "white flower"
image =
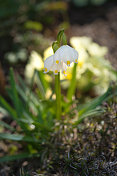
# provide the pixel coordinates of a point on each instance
(62, 58)
(63, 68)
(97, 50)
(35, 62)
(56, 68)
(80, 42)
(66, 54)
(48, 64)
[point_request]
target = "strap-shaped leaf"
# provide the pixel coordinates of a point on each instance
(15, 98)
(44, 83)
(73, 82)
(18, 157)
(16, 137)
(92, 108)
(6, 126)
(7, 107)
(97, 101)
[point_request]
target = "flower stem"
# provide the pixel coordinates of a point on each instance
(72, 87)
(58, 96)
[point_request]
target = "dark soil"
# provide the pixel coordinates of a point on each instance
(99, 23)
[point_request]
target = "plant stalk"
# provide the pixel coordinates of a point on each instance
(72, 86)
(58, 96)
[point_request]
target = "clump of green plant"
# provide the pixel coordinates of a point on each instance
(88, 148)
(37, 116)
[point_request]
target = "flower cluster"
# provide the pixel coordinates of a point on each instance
(93, 71)
(35, 62)
(62, 58)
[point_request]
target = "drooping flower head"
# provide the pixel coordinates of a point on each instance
(62, 58)
(50, 65)
(66, 54)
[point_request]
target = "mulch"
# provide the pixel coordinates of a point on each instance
(99, 23)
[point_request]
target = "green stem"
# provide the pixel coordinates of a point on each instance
(58, 96)
(71, 89)
(72, 86)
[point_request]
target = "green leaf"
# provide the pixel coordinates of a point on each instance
(22, 83)
(3, 111)
(13, 113)
(61, 38)
(14, 94)
(73, 82)
(64, 40)
(96, 102)
(91, 113)
(27, 104)
(41, 89)
(44, 83)
(25, 90)
(7, 107)
(31, 101)
(55, 46)
(18, 157)
(17, 112)
(6, 126)
(90, 108)
(16, 137)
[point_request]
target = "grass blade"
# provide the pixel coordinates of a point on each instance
(26, 91)
(6, 126)
(41, 90)
(12, 112)
(92, 108)
(16, 137)
(42, 80)
(96, 102)
(18, 157)
(14, 93)
(92, 113)
(7, 107)
(72, 86)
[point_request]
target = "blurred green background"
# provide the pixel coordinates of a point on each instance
(28, 124)
(28, 28)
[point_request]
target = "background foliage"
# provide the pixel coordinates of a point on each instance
(85, 135)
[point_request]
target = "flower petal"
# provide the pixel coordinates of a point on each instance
(48, 64)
